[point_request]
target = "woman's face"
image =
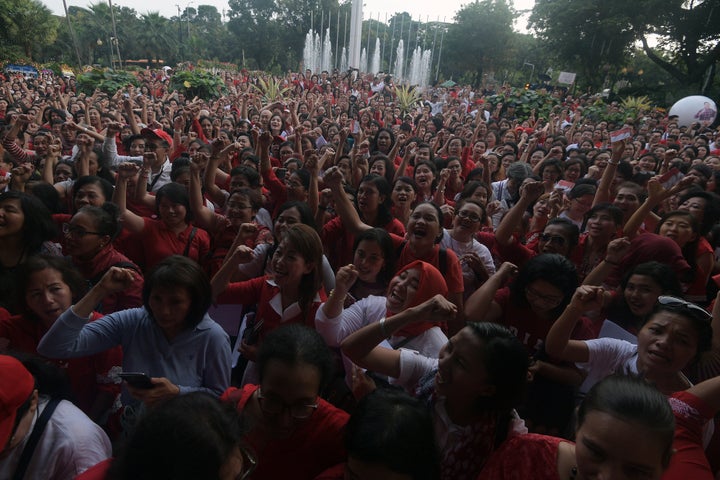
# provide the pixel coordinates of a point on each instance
(346, 168)
(667, 343)
(94, 116)
(480, 195)
(368, 198)
(289, 265)
(467, 219)
(423, 226)
(679, 228)
(47, 295)
(551, 174)
(81, 241)
(295, 188)
(455, 168)
(378, 168)
(454, 148)
(541, 208)
(12, 217)
(424, 177)
(173, 214)
(641, 294)
(239, 210)
(369, 260)
(479, 149)
(170, 306)
(601, 224)
(62, 172)
(206, 126)
(384, 141)
(287, 389)
(89, 194)
(627, 201)
(276, 124)
(93, 164)
(696, 206)
(403, 194)
(461, 370)
(402, 290)
(288, 217)
(610, 447)
(581, 205)
(543, 297)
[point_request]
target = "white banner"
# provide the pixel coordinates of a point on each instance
(566, 77)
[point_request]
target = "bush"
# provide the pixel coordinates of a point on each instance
(108, 82)
(197, 84)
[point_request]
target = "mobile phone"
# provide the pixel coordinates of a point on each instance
(137, 379)
(280, 173)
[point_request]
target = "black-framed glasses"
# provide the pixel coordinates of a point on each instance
(249, 463)
(468, 215)
(553, 239)
(679, 303)
(273, 407)
(69, 229)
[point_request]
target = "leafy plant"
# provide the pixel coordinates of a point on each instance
(271, 89)
(198, 83)
(406, 98)
(105, 81)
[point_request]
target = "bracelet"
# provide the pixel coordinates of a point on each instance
(615, 164)
(332, 292)
(615, 264)
(382, 328)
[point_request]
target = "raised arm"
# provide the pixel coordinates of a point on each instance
(219, 282)
(603, 193)
(132, 222)
(345, 209)
(362, 346)
(528, 194)
(558, 343)
(203, 216)
(480, 306)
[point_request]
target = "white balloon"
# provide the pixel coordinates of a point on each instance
(695, 108)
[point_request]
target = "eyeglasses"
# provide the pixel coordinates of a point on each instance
(249, 463)
(79, 232)
(540, 297)
(679, 303)
(464, 214)
(274, 407)
(553, 239)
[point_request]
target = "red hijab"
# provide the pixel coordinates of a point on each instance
(431, 283)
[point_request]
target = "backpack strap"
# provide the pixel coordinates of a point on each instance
(189, 242)
(37, 432)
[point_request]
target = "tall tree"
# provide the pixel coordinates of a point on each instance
(479, 39)
(28, 24)
(591, 34)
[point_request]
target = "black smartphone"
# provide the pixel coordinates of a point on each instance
(280, 173)
(137, 379)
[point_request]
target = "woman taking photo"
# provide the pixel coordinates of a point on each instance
(171, 338)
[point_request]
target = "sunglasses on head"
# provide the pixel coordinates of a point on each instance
(680, 304)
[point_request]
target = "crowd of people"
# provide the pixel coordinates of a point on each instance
(331, 284)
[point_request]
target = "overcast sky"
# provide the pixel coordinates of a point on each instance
(418, 9)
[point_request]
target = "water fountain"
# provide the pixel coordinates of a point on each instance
(344, 60)
(327, 64)
(363, 60)
(375, 63)
(419, 70)
(399, 62)
(312, 52)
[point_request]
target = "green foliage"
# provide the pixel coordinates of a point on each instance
(406, 98)
(526, 101)
(198, 83)
(108, 82)
(271, 89)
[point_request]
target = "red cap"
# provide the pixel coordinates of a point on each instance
(17, 386)
(158, 133)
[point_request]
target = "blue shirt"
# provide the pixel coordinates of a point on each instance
(197, 359)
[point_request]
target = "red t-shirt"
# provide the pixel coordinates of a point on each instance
(338, 241)
(315, 445)
(161, 243)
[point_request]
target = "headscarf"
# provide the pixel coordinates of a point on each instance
(430, 283)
